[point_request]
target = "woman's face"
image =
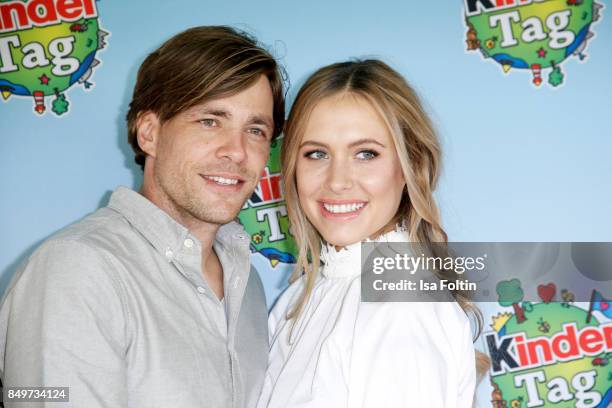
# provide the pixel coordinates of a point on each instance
(349, 178)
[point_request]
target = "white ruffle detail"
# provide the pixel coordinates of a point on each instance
(346, 262)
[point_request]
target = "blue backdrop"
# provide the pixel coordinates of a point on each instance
(520, 163)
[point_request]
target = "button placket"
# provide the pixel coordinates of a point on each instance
(232, 315)
(188, 254)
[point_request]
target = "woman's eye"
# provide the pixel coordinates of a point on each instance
(208, 122)
(315, 155)
(367, 155)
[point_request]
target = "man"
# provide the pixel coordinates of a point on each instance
(150, 301)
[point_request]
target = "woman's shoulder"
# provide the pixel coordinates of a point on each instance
(288, 298)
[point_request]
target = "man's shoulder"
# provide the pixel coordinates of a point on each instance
(92, 230)
(77, 256)
(89, 241)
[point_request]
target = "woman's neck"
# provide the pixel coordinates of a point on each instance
(391, 226)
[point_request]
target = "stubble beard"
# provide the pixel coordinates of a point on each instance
(189, 204)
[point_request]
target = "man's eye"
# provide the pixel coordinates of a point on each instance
(257, 132)
(367, 155)
(315, 155)
(208, 122)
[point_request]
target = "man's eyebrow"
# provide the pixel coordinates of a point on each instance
(210, 111)
(222, 113)
(261, 120)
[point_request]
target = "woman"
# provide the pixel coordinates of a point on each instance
(360, 161)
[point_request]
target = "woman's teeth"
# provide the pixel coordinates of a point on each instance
(343, 208)
(222, 180)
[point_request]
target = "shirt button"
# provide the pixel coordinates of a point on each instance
(188, 243)
(169, 254)
(201, 289)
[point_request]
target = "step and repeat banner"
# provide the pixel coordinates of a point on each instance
(519, 91)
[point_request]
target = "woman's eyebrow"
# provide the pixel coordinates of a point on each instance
(313, 143)
(352, 144)
(366, 141)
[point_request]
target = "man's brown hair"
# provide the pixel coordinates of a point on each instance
(197, 65)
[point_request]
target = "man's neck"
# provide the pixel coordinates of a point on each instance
(205, 232)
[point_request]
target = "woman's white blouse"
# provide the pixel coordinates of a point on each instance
(345, 353)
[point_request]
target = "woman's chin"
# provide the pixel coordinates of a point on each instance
(344, 241)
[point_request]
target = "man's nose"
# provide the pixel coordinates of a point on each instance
(233, 146)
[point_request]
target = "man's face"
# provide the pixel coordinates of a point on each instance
(208, 159)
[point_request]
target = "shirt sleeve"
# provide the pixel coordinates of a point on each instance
(63, 324)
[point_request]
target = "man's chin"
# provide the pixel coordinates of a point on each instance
(218, 215)
(222, 220)
(215, 210)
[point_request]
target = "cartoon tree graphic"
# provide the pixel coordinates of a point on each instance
(555, 78)
(510, 293)
(60, 104)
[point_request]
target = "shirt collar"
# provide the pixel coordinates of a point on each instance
(346, 262)
(166, 234)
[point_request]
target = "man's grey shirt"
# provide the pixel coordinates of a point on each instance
(116, 308)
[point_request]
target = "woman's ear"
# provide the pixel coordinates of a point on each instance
(147, 133)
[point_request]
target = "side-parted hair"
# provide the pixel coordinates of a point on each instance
(195, 66)
(417, 147)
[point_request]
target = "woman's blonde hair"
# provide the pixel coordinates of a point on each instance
(419, 154)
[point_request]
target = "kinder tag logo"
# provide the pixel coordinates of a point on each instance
(535, 35)
(264, 216)
(550, 353)
(46, 47)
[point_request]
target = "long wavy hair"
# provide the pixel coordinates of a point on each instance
(419, 154)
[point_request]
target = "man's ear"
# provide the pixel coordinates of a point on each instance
(147, 134)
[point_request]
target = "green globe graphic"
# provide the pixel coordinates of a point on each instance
(560, 378)
(533, 36)
(46, 61)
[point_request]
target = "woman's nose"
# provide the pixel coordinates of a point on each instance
(339, 177)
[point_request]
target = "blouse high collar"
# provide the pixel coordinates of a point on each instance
(346, 262)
